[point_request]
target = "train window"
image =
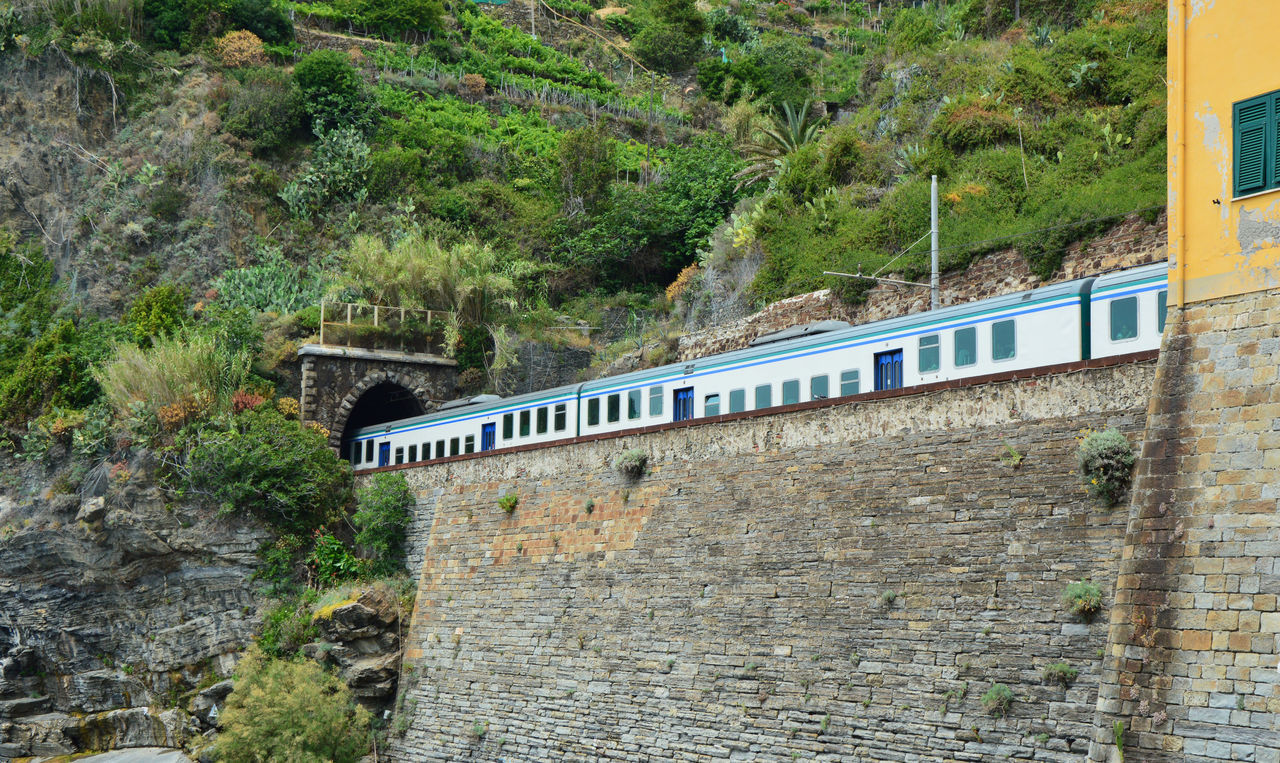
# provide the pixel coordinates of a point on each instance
(849, 382)
(655, 401)
(634, 398)
(930, 353)
(399, 456)
(818, 389)
(413, 453)
(614, 408)
(966, 346)
(368, 451)
(711, 406)
(439, 448)
(1003, 340)
(469, 445)
(524, 423)
(453, 446)
(593, 412)
(1124, 319)
(508, 426)
(737, 401)
(542, 420)
(764, 396)
(791, 392)
(561, 420)
(356, 449)
(1162, 307)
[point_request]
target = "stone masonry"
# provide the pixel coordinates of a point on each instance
(839, 583)
(1192, 669)
(1131, 243)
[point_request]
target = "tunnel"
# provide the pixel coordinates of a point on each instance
(379, 404)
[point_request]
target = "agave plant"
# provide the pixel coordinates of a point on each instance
(790, 129)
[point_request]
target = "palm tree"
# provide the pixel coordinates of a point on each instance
(790, 129)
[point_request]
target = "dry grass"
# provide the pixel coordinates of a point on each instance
(172, 371)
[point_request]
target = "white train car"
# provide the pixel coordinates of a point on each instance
(1128, 310)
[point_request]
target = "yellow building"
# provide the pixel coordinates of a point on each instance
(1224, 148)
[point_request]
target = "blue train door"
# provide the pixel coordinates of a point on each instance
(488, 436)
(384, 454)
(683, 408)
(889, 370)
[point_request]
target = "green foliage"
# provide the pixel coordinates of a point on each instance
(1106, 463)
(282, 710)
(731, 27)
(392, 18)
(382, 514)
(56, 370)
(184, 24)
(912, 29)
(969, 123)
(337, 173)
(287, 626)
(333, 92)
(264, 464)
(332, 562)
(1060, 672)
(997, 700)
(587, 168)
(157, 313)
(666, 47)
(265, 109)
(1083, 598)
(1117, 738)
(508, 502)
(779, 70)
(272, 286)
(262, 18)
(631, 464)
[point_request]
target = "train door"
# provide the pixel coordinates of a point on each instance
(889, 370)
(384, 454)
(683, 408)
(488, 436)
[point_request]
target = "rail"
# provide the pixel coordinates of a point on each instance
(379, 327)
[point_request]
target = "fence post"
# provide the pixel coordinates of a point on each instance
(322, 321)
(348, 331)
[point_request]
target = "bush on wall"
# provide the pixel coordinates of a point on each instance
(1106, 463)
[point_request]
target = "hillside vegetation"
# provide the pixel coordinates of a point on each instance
(191, 178)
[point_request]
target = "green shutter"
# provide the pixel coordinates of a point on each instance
(1273, 142)
(1252, 126)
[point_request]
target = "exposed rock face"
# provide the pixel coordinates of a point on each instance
(113, 609)
(362, 639)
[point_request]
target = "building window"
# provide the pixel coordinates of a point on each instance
(1162, 307)
(1003, 340)
(561, 420)
(930, 353)
(655, 401)
(1124, 319)
(634, 398)
(508, 426)
(542, 420)
(614, 403)
(711, 406)
(764, 396)
(818, 389)
(966, 346)
(791, 392)
(593, 412)
(524, 423)
(1256, 142)
(849, 382)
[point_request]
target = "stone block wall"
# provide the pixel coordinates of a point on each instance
(1192, 664)
(841, 583)
(1131, 243)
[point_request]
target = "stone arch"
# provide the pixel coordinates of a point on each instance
(351, 411)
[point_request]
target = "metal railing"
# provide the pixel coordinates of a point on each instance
(378, 327)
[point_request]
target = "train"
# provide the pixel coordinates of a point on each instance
(1114, 314)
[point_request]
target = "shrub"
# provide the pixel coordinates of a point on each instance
(1060, 672)
(282, 710)
(666, 47)
(263, 463)
(265, 109)
(382, 514)
(997, 700)
(912, 29)
(1106, 462)
(337, 173)
(631, 464)
(287, 626)
(333, 92)
(186, 367)
(239, 48)
(157, 312)
(1083, 598)
(731, 27)
(968, 124)
(56, 370)
(393, 16)
(272, 286)
(263, 18)
(332, 562)
(509, 502)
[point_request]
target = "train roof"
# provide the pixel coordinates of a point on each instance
(1119, 279)
(813, 339)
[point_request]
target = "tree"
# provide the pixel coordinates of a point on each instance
(290, 711)
(587, 166)
(333, 92)
(790, 130)
(674, 41)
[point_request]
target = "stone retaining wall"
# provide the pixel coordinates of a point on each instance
(839, 583)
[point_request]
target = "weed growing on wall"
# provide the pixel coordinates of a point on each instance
(1106, 462)
(1060, 672)
(997, 700)
(631, 464)
(1083, 598)
(509, 502)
